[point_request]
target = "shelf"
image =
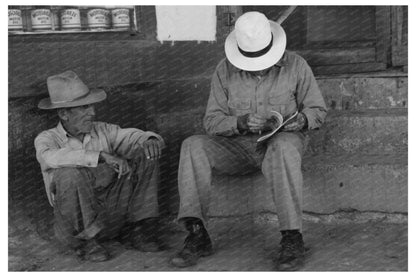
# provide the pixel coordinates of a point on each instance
(55, 13)
(51, 32)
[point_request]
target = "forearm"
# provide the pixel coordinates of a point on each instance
(315, 116)
(221, 125)
(57, 158)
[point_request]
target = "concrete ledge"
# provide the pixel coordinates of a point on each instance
(373, 183)
(364, 132)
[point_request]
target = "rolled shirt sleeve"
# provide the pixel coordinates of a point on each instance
(50, 155)
(127, 141)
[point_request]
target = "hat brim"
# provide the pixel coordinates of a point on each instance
(259, 63)
(94, 96)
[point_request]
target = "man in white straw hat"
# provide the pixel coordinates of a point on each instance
(99, 178)
(258, 77)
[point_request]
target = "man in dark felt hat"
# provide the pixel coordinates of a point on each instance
(99, 178)
(257, 78)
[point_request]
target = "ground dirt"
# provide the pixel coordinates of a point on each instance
(240, 245)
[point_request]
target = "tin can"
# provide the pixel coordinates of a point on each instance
(71, 20)
(41, 20)
(15, 20)
(121, 18)
(98, 19)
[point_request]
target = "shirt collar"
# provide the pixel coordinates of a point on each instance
(64, 134)
(282, 62)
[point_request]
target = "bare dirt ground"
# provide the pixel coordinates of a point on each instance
(240, 245)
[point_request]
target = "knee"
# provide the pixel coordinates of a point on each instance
(72, 176)
(283, 142)
(194, 142)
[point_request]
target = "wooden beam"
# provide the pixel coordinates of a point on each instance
(285, 14)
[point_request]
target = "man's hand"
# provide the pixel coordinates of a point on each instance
(255, 123)
(297, 124)
(153, 148)
(118, 164)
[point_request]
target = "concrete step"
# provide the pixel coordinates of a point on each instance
(381, 131)
(353, 92)
(364, 92)
(331, 183)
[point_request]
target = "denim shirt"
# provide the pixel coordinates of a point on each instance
(288, 86)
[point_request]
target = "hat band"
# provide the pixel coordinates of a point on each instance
(72, 100)
(256, 54)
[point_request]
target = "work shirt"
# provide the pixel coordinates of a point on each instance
(287, 87)
(55, 148)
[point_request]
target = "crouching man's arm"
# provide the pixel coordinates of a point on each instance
(128, 142)
(51, 156)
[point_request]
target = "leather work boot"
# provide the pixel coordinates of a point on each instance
(292, 252)
(94, 252)
(197, 244)
(144, 236)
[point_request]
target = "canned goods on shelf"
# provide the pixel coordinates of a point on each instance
(121, 18)
(70, 20)
(41, 20)
(98, 19)
(15, 20)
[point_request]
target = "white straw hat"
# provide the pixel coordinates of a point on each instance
(256, 43)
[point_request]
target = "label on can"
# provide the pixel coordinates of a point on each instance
(70, 19)
(98, 18)
(41, 19)
(121, 18)
(15, 20)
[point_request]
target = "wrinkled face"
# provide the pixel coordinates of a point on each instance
(79, 119)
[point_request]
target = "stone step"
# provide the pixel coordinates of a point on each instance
(355, 92)
(381, 131)
(370, 132)
(364, 92)
(331, 183)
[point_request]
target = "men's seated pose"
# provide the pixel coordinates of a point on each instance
(99, 178)
(257, 78)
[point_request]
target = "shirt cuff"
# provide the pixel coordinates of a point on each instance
(310, 119)
(91, 158)
(234, 126)
(148, 135)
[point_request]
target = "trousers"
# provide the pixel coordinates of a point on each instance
(93, 202)
(279, 159)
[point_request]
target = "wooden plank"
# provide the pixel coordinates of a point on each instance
(338, 56)
(147, 24)
(383, 33)
(399, 36)
(348, 68)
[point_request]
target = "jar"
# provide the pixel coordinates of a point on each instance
(121, 18)
(98, 19)
(41, 20)
(15, 20)
(70, 20)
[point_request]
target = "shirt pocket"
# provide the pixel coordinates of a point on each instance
(284, 104)
(239, 106)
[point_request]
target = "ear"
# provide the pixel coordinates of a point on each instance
(63, 114)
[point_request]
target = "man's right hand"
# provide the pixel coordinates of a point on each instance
(254, 123)
(118, 164)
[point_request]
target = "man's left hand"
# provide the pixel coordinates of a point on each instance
(153, 148)
(298, 124)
